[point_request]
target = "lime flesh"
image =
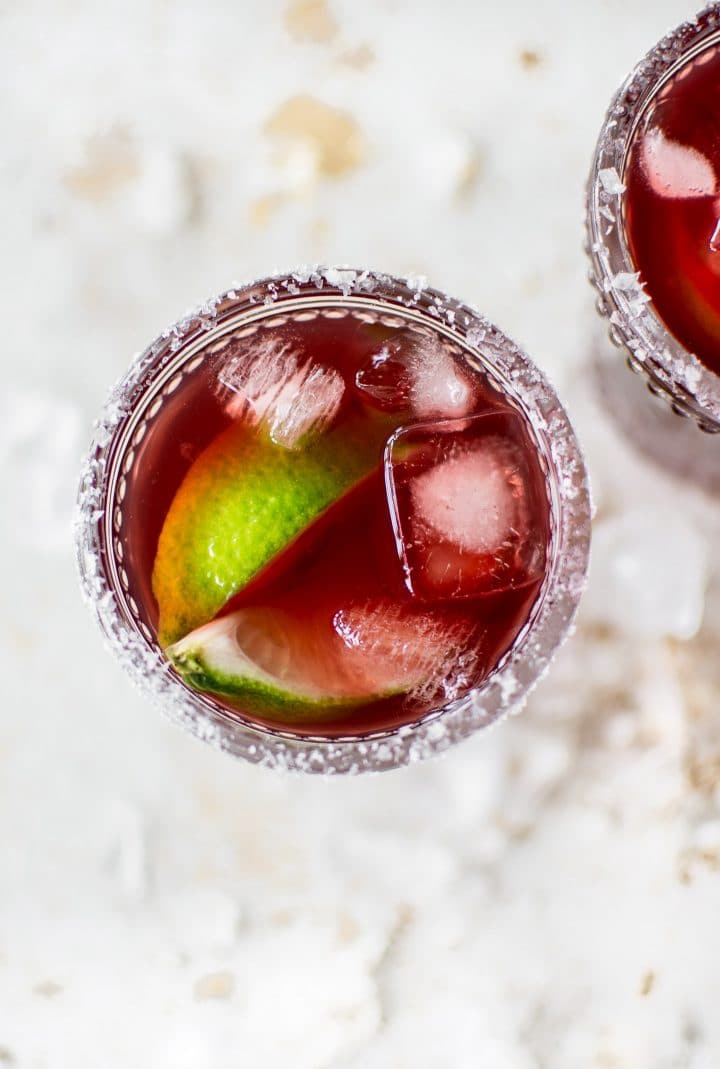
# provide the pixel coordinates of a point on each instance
(241, 503)
(289, 663)
(250, 656)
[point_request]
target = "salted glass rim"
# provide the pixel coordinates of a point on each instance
(180, 348)
(670, 369)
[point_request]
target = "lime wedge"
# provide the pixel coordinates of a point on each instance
(287, 663)
(243, 501)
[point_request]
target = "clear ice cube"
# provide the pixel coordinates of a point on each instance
(466, 505)
(418, 373)
(631, 588)
(271, 383)
(431, 653)
(40, 435)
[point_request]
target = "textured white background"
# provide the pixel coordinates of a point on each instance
(543, 897)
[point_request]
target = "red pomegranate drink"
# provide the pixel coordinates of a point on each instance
(654, 218)
(672, 204)
(329, 522)
(336, 525)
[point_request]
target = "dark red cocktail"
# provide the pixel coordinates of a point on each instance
(362, 515)
(672, 204)
(654, 218)
(329, 514)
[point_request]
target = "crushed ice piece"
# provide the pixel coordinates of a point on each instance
(127, 851)
(39, 447)
(205, 919)
(297, 171)
(162, 197)
(420, 374)
(461, 498)
(276, 388)
(649, 575)
(675, 170)
(610, 181)
(448, 163)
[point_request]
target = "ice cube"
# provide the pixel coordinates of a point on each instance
(448, 162)
(633, 590)
(126, 850)
(269, 382)
(40, 435)
(417, 373)
(675, 170)
(431, 654)
(385, 379)
(468, 506)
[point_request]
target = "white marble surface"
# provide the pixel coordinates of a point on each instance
(543, 897)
